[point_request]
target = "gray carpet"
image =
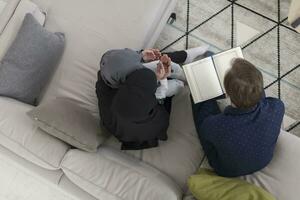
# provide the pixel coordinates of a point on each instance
(217, 31)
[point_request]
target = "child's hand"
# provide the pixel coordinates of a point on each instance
(160, 72)
(166, 61)
(157, 53)
(151, 55)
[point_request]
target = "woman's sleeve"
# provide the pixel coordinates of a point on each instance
(174, 86)
(105, 96)
(161, 91)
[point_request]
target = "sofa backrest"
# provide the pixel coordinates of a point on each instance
(91, 28)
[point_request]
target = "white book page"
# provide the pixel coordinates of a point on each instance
(2, 5)
(203, 80)
(223, 62)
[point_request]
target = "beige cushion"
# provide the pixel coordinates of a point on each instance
(65, 120)
(21, 164)
(112, 175)
(282, 176)
(19, 134)
(179, 156)
(14, 15)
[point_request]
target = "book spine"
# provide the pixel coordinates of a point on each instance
(213, 61)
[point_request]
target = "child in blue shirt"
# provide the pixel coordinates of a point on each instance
(241, 140)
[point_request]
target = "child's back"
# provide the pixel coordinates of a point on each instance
(241, 140)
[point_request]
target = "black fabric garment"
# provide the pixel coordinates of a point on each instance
(178, 57)
(132, 113)
(139, 145)
(168, 104)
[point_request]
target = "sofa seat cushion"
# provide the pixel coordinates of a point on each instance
(179, 156)
(281, 176)
(2, 6)
(112, 175)
(19, 134)
(6, 12)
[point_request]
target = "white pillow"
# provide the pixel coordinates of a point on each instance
(12, 20)
(112, 175)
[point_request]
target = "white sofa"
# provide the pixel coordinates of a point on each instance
(35, 165)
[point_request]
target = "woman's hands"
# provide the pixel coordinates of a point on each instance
(163, 69)
(151, 55)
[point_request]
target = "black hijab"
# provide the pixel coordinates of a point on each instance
(140, 121)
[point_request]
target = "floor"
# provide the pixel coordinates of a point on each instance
(251, 24)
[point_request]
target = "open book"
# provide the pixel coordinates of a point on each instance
(205, 77)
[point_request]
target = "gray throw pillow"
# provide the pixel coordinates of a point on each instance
(29, 62)
(64, 119)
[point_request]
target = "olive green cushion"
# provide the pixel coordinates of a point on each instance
(206, 185)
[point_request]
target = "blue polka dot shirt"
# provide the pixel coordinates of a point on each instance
(241, 141)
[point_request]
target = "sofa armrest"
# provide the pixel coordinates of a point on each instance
(110, 174)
